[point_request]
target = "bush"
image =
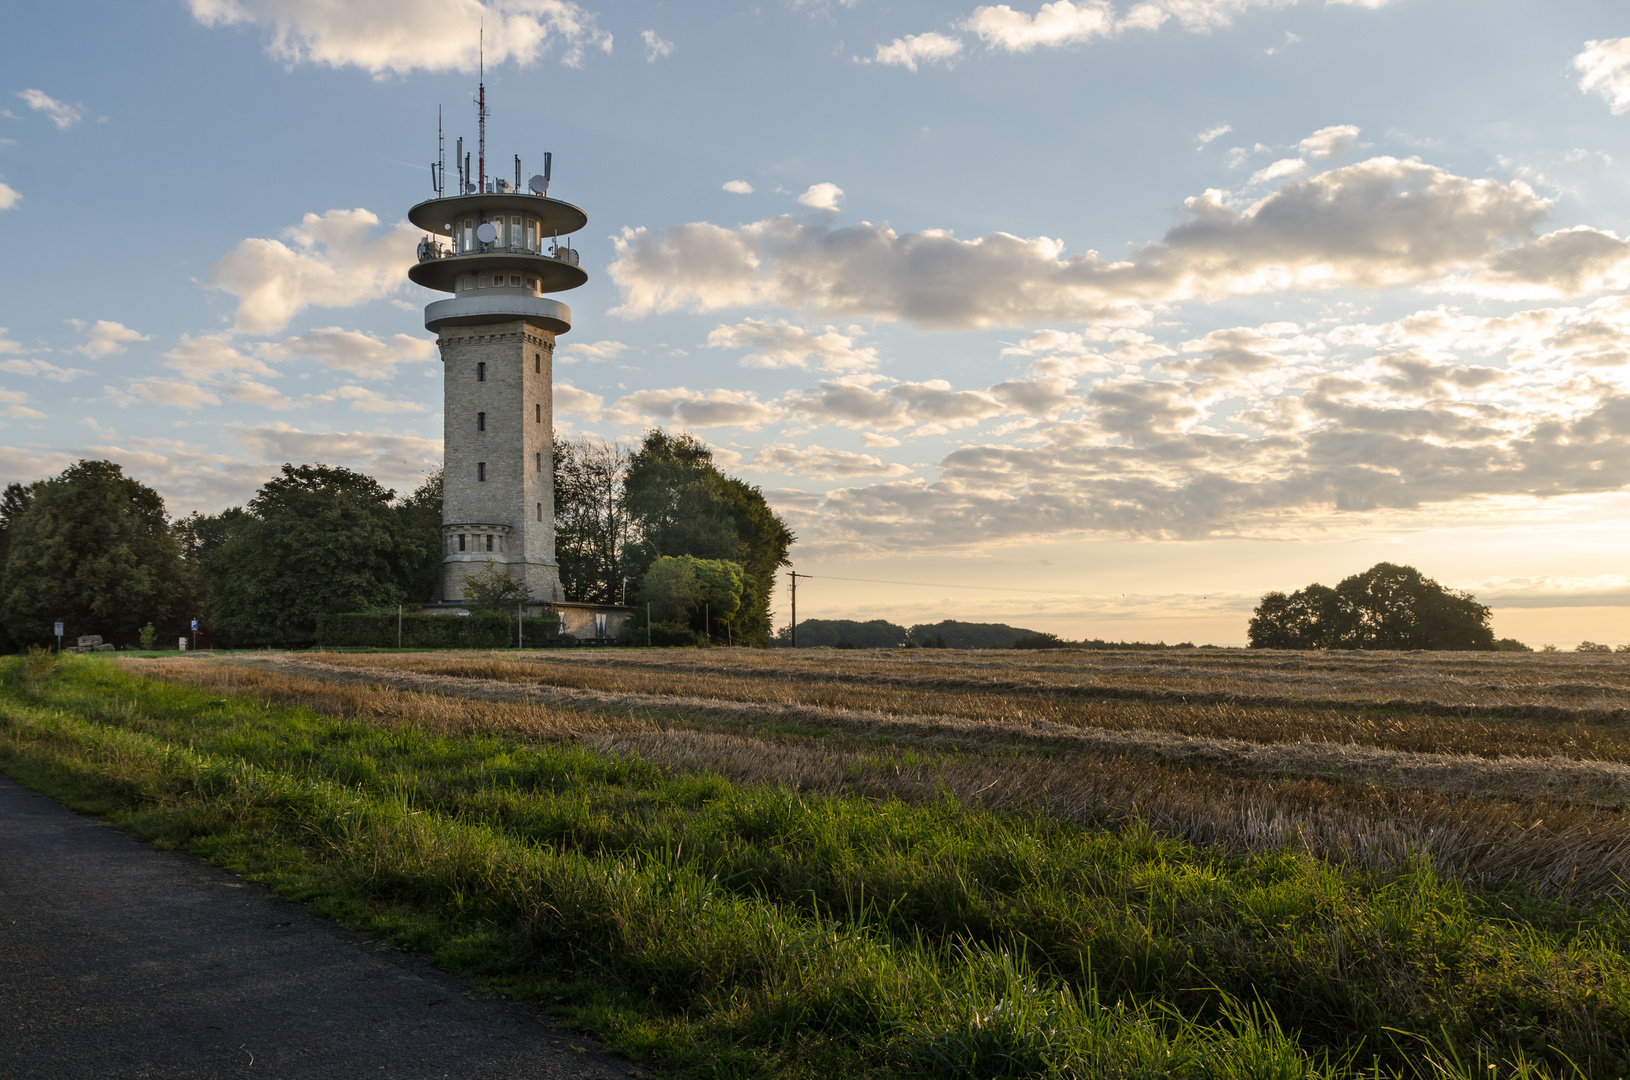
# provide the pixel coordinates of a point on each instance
(1511, 644)
(1591, 646)
(148, 636)
(481, 630)
(663, 635)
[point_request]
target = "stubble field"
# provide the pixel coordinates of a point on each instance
(925, 863)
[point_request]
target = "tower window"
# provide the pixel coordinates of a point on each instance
(538, 417)
(540, 511)
(468, 283)
(461, 537)
(537, 363)
(537, 462)
(481, 372)
(515, 280)
(489, 541)
(481, 421)
(532, 283)
(481, 471)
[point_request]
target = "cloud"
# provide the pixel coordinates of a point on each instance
(364, 400)
(401, 36)
(1053, 25)
(106, 338)
(823, 196)
(60, 113)
(12, 404)
(391, 457)
(1604, 67)
(1374, 224)
(359, 354)
(214, 360)
(914, 49)
(569, 399)
(168, 392)
(697, 409)
(872, 402)
(591, 350)
(330, 260)
(821, 463)
(1216, 131)
(20, 366)
(9, 196)
(655, 47)
(738, 187)
(1329, 142)
(784, 345)
(1278, 170)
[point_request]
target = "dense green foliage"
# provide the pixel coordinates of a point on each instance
(755, 931)
(314, 540)
(679, 503)
(479, 630)
(92, 548)
(1386, 607)
(1053, 641)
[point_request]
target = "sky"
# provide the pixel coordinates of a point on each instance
(1096, 318)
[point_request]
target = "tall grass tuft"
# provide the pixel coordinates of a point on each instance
(39, 665)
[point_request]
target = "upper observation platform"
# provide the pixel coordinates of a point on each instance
(480, 239)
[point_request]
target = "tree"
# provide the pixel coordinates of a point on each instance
(679, 503)
(13, 502)
(1385, 607)
(420, 515)
(592, 527)
(93, 548)
(671, 588)
(314, 540)
(495, 589)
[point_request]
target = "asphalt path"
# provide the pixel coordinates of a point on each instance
(118, 961)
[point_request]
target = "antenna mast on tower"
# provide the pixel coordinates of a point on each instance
(481, 111)
(441, 158)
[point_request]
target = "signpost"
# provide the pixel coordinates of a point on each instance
(59, 639)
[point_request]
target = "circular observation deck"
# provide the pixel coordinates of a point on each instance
(556, 218)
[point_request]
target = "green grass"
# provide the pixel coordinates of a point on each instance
(736, 931)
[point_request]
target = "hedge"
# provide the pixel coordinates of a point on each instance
(478, 630)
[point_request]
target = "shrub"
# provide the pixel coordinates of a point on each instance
(1591, 646)
(148, 637)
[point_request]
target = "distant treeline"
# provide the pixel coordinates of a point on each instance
(949, 634)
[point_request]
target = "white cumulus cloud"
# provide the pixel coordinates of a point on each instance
(328, 260)
(361, 355)
(738, 187)
(821, 463)
(400, 36)
(785, 345)
(1374, 224)
(1216, 131)
(700, 409)
(106, 338)
(9, 196)
(363, 399)
(1329, 142)
(1604, 67)
(915, 49)
(1059, 23)
(823, 196)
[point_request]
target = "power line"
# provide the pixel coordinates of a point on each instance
(928, 584)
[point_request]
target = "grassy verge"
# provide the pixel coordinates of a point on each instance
(749, 931)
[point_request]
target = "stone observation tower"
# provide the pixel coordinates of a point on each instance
(498, 249)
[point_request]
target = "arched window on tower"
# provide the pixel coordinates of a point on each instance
(481, 471)
(481, 371)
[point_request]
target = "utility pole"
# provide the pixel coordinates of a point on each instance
(795, 575)
(520, 626)
(648, 624)
(398, 626)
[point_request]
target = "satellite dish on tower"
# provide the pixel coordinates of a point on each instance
(487, 232)
(538, 184)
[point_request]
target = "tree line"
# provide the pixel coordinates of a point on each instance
(95, 548)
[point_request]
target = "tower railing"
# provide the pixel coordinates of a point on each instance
(430, 250)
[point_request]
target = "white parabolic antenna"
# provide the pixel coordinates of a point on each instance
(487, 232)
(538, 184)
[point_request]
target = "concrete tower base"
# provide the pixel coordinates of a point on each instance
(498, 503)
